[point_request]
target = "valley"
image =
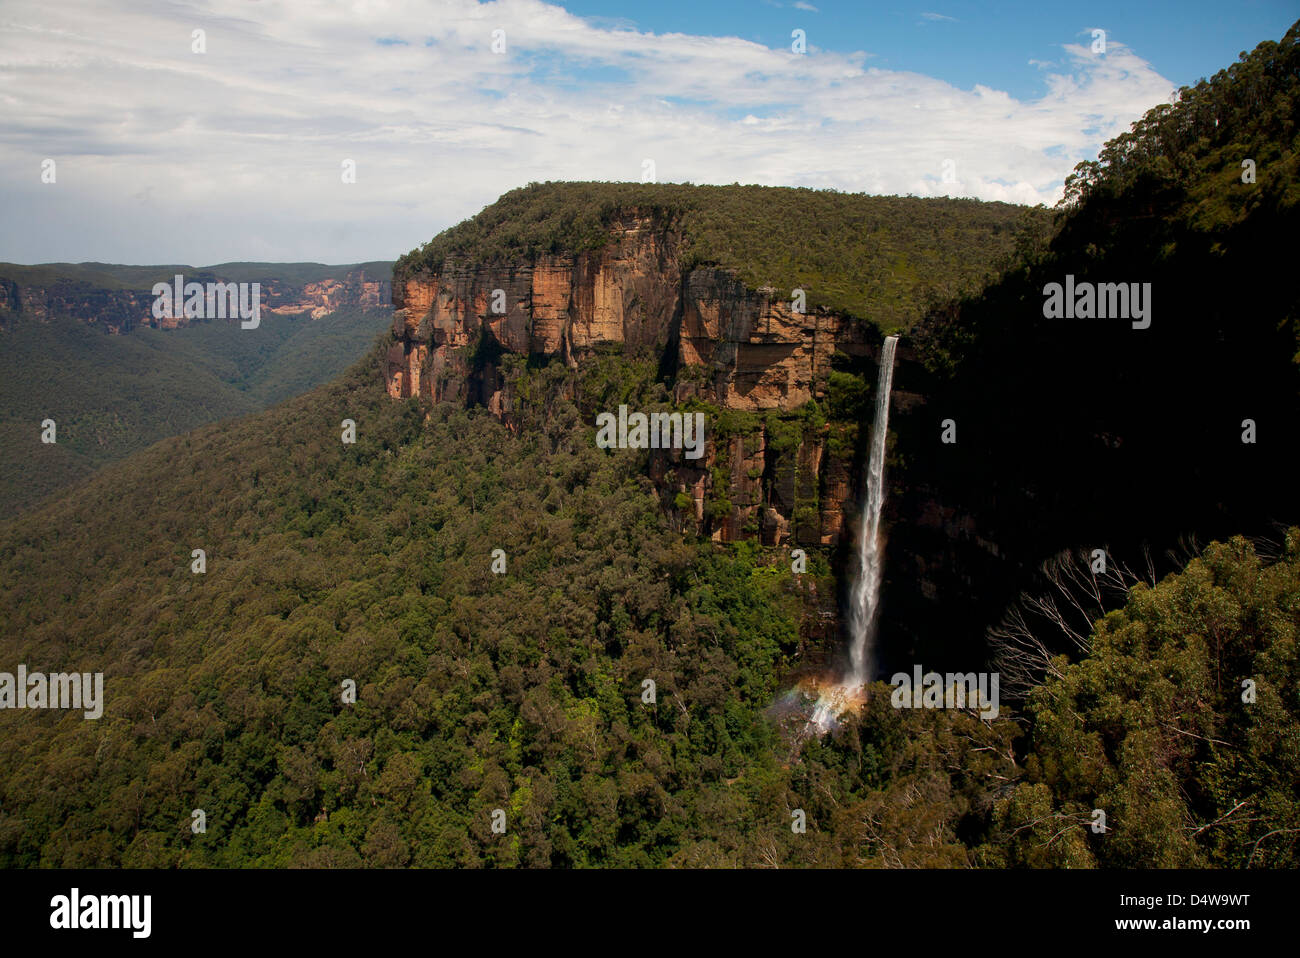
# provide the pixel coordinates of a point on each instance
(81, 345)
(455, 610)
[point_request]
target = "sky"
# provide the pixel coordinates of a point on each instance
(125, 139)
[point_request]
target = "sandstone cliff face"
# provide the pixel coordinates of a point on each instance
(563, 306)
(771, 478)
(762, 354)
(121, 310)
(115, 310)
(746, 350)
(353, 289)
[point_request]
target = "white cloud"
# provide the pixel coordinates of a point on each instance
(169, 156)
(802, 5)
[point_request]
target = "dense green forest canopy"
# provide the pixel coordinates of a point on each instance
(522, 691)
(875, 257)
(1182, 724)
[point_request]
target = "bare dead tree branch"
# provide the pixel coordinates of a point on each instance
(1060, 619)
(1277, 831)
(1198, 831)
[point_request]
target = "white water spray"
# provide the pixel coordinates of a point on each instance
(866, 588)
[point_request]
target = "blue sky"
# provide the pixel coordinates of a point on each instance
(168, 154)
(966, 43)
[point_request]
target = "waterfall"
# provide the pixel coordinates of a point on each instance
(830, 698)
(866, 588)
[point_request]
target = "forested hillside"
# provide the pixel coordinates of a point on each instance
(1075, 432)
(111, 396)
(371, 561)
(1197, 199)
(522, 691)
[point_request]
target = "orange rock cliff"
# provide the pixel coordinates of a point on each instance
(747, 349)
(121, 310)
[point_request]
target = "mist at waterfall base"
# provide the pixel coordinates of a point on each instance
(816, 702)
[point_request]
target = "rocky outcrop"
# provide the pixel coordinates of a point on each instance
(629, 292)
(114, 310)
(760, 353)
(355, 289)
(756, 351)
(953, 515)
(739, 348)
(118, 310)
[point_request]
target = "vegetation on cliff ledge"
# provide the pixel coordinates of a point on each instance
(881, 258)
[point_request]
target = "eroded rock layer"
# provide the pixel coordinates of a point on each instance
(739, 348)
